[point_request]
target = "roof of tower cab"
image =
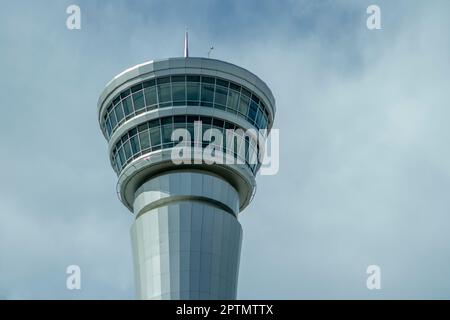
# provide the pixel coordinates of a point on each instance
(182, 65)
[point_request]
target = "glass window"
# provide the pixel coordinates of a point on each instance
(253, 110)
(136, 88)
(179, 119)
(233, 100)
(127, 106)
(135, 144)
(143, 127)
(145, 140)
(119, 112)
(108, 126)
(179, 92)
(178, 78)
(138, 101)
(208, 80)
(207, 95)
(221, 97)
(150, 96)
(155, 136)
(115, 101)
(191, 78)
(264, 121)
(121, 156)
(112, 118)
(192, 119)
(235, 86)
(149, 83)
(163, 80)
(164, 95)
(193, 92)
(127, 149)
(205, 120)
(243, 105)
(118, 161)
(218, 123)
(258, 118)
(167, 133)
(132, 132)
(179, 122)
(166, 120)
(153, 123)
(222, 83)
(125, 93)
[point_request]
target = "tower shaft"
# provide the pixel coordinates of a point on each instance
(186, 237)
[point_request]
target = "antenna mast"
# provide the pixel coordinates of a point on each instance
(186, 44)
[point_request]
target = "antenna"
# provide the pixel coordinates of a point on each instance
(210, 49)
(186, 44)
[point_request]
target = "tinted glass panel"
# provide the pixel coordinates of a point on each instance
(178, 78)
(127, 149)
(163, 80)
(136, 87)
(233, 100)
(178, 92)
(235, 86)
(153, 123)
(143, 127)
(108, 127)
(119, 112)
(121, 156)
(258, 119)
(166, 120)
(243, 104)
(149, 83)
(150, 96)
(145, 141)
(135, 144)
(221, 96)
(179, 119)
(132, 132)
(207, 94)
(193, 91)
(167, 133)
(193, 78)
(127, 106)
(138, 100)
(253, 109)
(222, 83)
(125, 93)
(208, 80)
(164, 94)
(155, 136)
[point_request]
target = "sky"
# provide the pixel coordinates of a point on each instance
(363, 115)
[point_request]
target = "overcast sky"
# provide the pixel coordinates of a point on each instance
(365, 153)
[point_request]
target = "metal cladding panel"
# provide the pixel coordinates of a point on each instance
(186, 251)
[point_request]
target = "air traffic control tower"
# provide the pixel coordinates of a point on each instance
(186, 237)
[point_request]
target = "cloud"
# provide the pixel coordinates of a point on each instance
(364, 159)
